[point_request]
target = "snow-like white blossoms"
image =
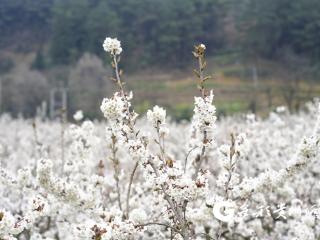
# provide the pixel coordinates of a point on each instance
(112, 46)
(114, 108)
(133, 182)
(87, 202)
(24, 177)
(157, 116)
(138, 215)
(64, 190)
(309, 149)
(203, 122)
(7, 222)
(11, 226)
(78, 116)
(204, 112)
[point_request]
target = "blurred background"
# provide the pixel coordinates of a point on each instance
(262, 53)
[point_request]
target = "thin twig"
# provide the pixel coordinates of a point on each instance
(160, 224)
(186, 159)
(177, 211)
(116, 68)
(129, 188)
(199, 54)
(63, 120)
(116, 168)
(201, 156)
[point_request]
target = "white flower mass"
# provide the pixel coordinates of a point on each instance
(149, 178)
(78, 116)
(112, 46)
(156, 116)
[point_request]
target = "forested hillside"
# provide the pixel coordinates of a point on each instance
(153, 30)
(57, 37)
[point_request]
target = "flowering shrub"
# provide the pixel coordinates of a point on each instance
(149, 178)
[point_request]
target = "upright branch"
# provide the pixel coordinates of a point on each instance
(199, 54)
(182, 224)
(129, 189)
(113, 47)
(118, 73)
(230, 167)
(157, 117)
(62, 133)
(124, 119)
(116, 167)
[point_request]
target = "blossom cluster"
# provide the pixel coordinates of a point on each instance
(112, 45)
(132, 178)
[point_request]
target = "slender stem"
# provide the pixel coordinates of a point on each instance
(161, 146)
(116, 169)
(129, 188)
(119, 194)
(186, 159)
(180, 213)
(160, 224)
(166, 195)
(116, 69)
(202, 89)
(63, 120)
(201, 79)
(201, 156)
(231, 166)
(177, 211)
(130, 123)
(120, 84)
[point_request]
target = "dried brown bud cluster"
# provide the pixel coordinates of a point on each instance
(199, 50)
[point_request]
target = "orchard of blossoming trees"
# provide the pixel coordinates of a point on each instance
(149, 178)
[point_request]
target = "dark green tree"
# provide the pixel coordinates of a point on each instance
(69, 35)
(152, 32)
(270, 26)
(39, 62)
